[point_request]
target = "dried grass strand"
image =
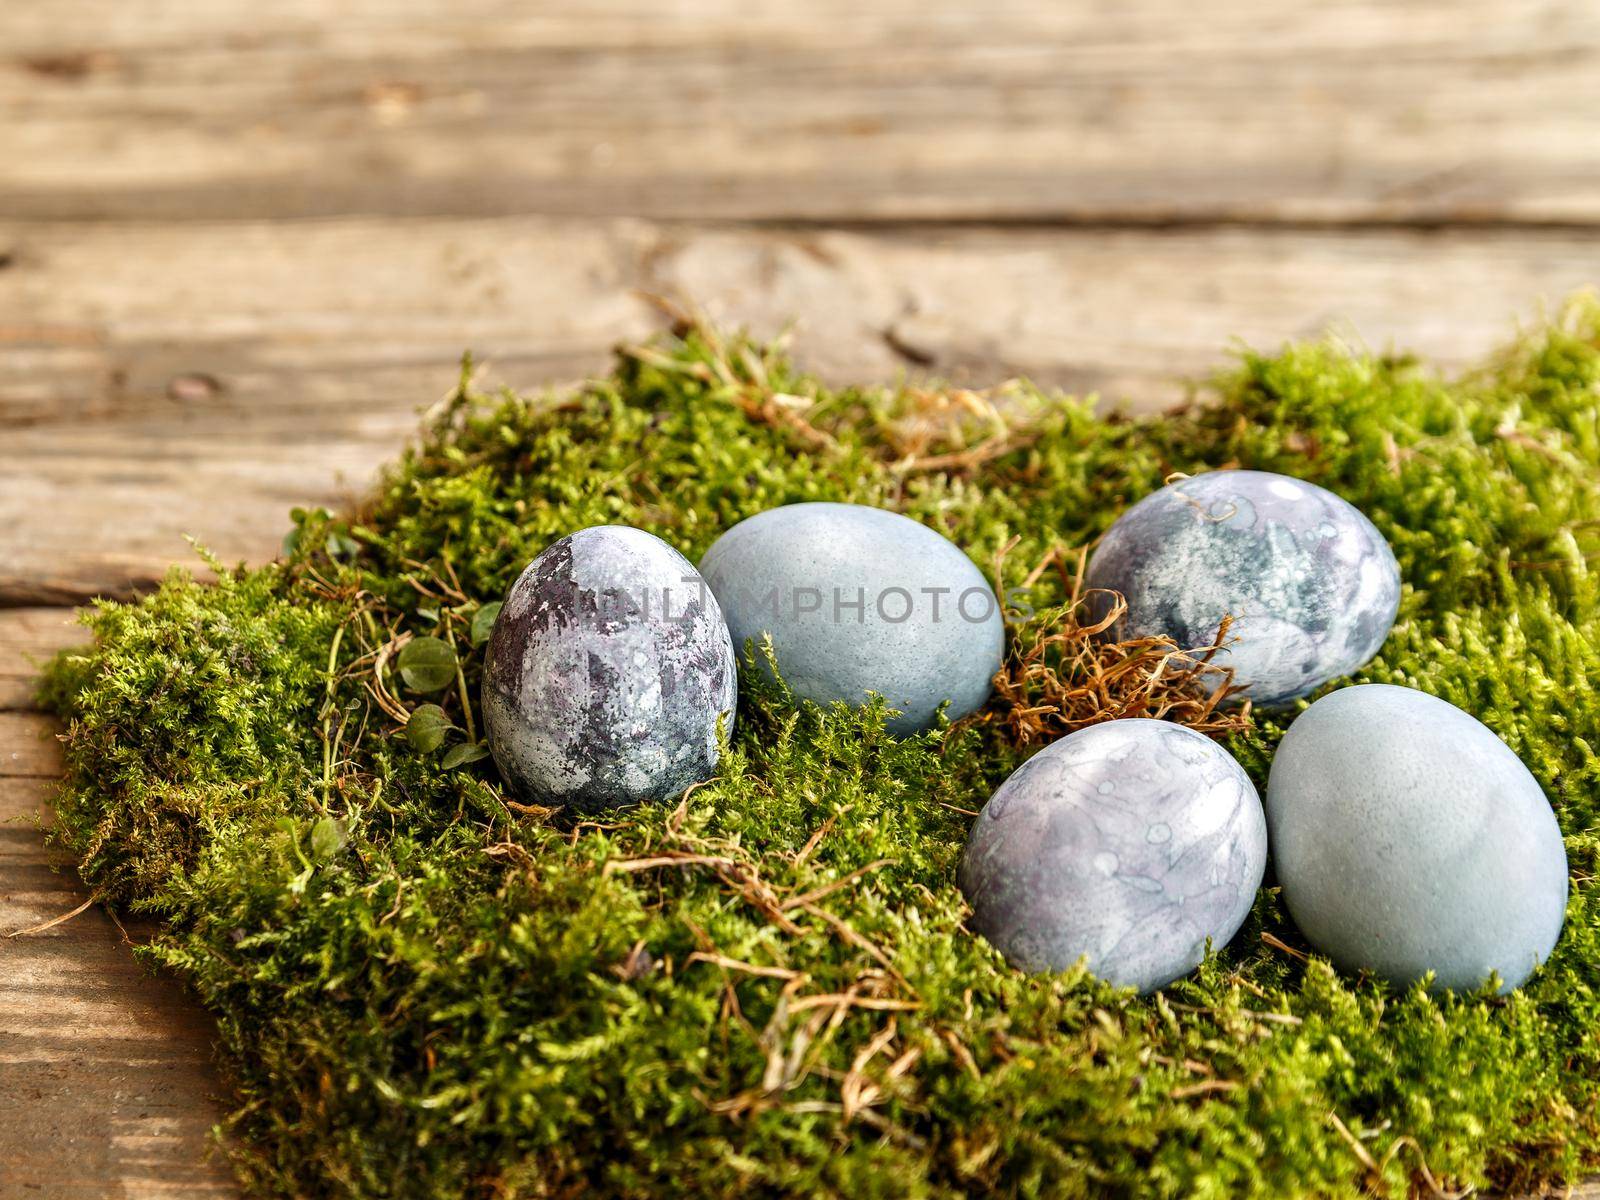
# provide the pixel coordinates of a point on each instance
(1062, 677)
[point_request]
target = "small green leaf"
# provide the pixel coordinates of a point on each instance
(328, 837)
(483, 622)
(341, 545)
(465, 752)
(427, 727)
(427, 664)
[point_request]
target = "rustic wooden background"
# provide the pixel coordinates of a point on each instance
(242, 243)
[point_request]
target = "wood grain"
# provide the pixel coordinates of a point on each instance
(107, 1070)
(171, 379)
(1154, 111)
(28, 746)
(28, 638)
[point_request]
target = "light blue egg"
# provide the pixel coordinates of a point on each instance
(861, 600)
(1408, 838)
(1312, 586)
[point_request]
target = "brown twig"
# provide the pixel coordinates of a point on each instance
(53, 921)
(1278, 943)
(815, 894)
(855, 1093)
(669, 859)
(1204, 1087)
(815, 839)
(734, 964)
(860, 943)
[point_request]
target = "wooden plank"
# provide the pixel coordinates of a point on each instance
(28, 746)
(108, 1070)
(1016, 110)
(170, 379)
(186, 379)
(28, 638)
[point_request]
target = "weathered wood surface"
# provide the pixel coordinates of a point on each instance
(106, 1069)
(172, 379)
(1156, 111)
(30, 637)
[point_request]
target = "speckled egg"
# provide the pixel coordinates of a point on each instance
(1127, 844)
(861, 600)
(1312, 586)
(607, 670)
(1408, 838)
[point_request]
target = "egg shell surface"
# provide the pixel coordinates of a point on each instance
(1127, 844)
(857, 600)
(606, 673)
(1408, 838)
(1310, 583)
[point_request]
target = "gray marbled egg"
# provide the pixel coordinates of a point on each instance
(606, 672)
(1127, 844)
(1312, 586)
(861, 600)
(1408, 838)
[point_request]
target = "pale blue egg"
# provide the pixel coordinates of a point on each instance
(1409, 839)
(860, 600)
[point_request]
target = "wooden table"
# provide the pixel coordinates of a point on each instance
(241, 244)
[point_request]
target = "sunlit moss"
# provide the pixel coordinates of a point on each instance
(424, 989)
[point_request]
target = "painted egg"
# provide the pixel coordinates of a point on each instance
(607, 671)
(861, 600)
(1128, 844)
(1310, 583)
(1408, 838)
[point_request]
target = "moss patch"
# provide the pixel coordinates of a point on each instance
(424, 989)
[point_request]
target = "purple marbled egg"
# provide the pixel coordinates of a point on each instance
(1127, 844)
(1312, 586)
(607, 671)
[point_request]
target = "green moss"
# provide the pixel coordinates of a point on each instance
(424, 990)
